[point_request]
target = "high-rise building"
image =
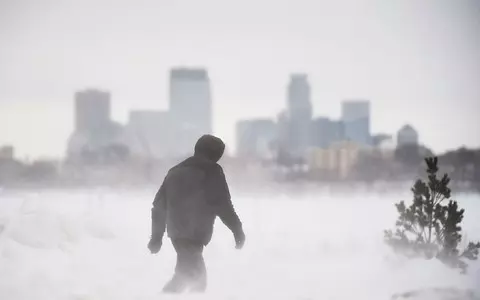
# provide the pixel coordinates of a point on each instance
(281, 144)
(325, 132)
(149, 134)
(94, 130)
(299, 111)
(255, 138)
(407, 135)
(190, 106)
(92, 110)
(356, 119)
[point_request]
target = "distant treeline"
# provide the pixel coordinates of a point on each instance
(462, 165)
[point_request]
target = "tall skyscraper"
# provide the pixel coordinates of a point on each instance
(94, 129)
(190, 106)
(356, 119)
(92, 110)
(299, 110)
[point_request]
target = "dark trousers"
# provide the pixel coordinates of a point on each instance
(190, 270)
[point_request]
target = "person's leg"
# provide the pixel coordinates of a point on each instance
(190, 270)
(179, 281)
(199, 280)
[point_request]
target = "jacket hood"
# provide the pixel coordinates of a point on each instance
(210, 147)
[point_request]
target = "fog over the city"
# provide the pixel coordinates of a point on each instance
(417, 62)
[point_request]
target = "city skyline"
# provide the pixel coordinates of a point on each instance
(273, 116)
(405, 58)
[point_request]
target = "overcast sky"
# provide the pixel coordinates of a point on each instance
(418, 62)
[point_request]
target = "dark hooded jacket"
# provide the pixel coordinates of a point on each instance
(193, 194)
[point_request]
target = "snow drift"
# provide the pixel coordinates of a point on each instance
(92, 245)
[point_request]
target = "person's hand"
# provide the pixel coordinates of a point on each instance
(154, 245)
(239, 239)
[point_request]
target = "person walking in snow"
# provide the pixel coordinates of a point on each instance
(192, 195)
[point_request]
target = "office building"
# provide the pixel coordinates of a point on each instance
(190, 106)
(324, 132)
(407, 135)
(356, 119)
(7, 152)
(337, 160)
(299, 112)
(255, 138)
(94, 130)
(92, 110)
(149, 134)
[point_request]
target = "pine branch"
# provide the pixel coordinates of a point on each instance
(436, 227)
(472, 251)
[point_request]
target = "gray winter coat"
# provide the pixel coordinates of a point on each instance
(192, 195)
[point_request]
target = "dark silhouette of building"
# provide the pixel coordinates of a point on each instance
(190, 106)
(356, 118)
(7, 152)
(407, 135)
(11, 169)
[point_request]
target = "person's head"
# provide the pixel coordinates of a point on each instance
(210, 147)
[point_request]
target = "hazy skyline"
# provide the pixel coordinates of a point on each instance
(403, 56)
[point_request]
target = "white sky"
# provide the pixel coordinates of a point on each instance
(417, 61)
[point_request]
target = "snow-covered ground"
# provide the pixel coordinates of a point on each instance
(92, 245)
